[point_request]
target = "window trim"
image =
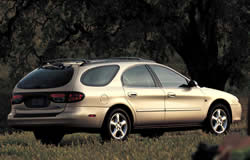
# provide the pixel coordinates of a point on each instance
(86, 72)
(166, 67)
(150, 73)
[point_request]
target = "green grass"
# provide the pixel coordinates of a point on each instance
(172, 145)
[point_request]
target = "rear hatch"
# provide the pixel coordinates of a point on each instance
(44, 92)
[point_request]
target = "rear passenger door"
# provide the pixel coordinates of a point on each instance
(144, 95)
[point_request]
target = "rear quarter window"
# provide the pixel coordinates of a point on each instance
(99, 76)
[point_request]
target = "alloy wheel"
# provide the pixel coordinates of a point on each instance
(118, 126)
(219, 121)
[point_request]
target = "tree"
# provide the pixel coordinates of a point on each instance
(211, 36)
(213, 40)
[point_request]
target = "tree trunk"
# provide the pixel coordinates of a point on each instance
(199, 49)
(202, 68)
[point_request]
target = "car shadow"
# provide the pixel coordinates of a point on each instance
(80, 140)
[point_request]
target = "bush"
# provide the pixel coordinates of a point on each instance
(4, 109)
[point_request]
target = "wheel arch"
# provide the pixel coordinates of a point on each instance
(221, 101)
(125, 108)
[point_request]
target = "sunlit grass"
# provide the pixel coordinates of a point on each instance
(172, 145)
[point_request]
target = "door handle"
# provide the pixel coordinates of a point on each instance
(132, 94)
(171, 95)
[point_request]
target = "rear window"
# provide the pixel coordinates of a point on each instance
(48, 77)
(99, 76)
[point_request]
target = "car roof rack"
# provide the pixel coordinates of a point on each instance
(118, 59)
(126, 58)
(62, 60)
(59, 62)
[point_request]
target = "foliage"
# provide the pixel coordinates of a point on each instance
(211, 36)
(241, 154)
(4, 109)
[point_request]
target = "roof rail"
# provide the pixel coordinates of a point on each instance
(61, 60)
(84, 61)
(116, 59)
(127, 58)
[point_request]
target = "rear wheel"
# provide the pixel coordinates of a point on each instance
(218, 120)
(116, 126)
(48, 137)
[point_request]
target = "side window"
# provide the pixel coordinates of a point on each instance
(168, 78)
(99, 76)
(137, 76)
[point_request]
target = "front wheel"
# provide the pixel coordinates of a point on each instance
(117, 125)
(218, 119)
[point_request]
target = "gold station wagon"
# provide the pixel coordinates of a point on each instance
(115, 97)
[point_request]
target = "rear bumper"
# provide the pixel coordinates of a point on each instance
(71, 117)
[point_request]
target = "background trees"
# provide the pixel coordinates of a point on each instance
(212, 37)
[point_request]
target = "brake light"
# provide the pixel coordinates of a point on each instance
(75, 97)
(66, 97)
(58, 97)
(17, 99)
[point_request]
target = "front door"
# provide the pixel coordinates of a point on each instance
(183, 104)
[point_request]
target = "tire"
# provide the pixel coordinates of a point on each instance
(218, 120)
(117, 125)
(48, 137)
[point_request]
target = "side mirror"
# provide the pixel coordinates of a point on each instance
(192, 83)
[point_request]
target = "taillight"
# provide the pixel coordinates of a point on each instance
(66, 97)
(75, 97)
(58, 97)
(17, 99)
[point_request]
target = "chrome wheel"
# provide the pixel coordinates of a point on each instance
(219, 121)
(118, 126)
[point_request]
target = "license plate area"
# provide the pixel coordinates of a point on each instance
(37, 102)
